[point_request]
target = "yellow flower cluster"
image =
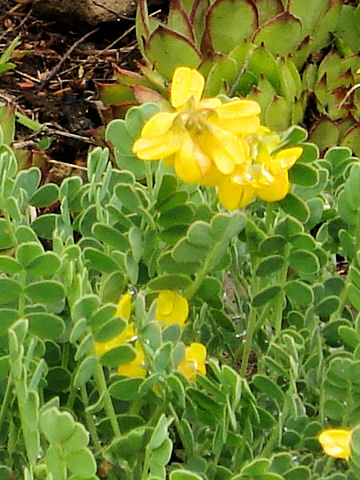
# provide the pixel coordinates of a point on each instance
(336, 442)
(171, 308)
(212, 143)
(135, 367)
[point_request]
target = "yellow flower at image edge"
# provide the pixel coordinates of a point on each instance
(194, 361)
(203, 138)
(336, 442)
(171, 308)
(135, 368)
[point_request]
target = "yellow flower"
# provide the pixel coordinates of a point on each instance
(128, 334)
(336, 442)
(201, 133)
(171, 308)
(194, 361)
(265, 176)
(124, 306)
(135, 368)
(125, 336)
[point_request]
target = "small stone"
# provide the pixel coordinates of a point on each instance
(90, 12)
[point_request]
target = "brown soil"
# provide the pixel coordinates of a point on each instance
(55, 83)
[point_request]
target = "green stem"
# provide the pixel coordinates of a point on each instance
(109, 408)
(149, 180)
(5, 402)
(89, 419)
(146, 467)
(279, 301)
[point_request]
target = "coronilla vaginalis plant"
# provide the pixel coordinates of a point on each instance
(188, 311)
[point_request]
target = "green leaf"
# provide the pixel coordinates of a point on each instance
(278, 114)
(266, 385)
(86, 306)
(187, 252)
(44, 225)
(270, 265)
(46, 325)
(184, 475)
(273, 244)
(81, 462)
(303, 174)
(27, 252)
(100, 261)
(6, 240)
(110, 236)
(199, 234)
(176, 216)
(226, 35)
(128, 196)
(126, 389)
(348, 335)
(85, 370)
(47, 291)
(273, 32)
(29, 180)
(117, 356)
(160, 432)
(8, 317)
(78, 439)
(327, 306)
(10, 290)
(78, 330)
(56, 426)
(256, 467)
(9, 265)
(299, 293)
(107, 329)
(266, 295)
(304, 261)
(162, 454)
(45, 265)
(45, 195)
(171, 282)
(168, 49)
(303, 241)
(136, 242)
(223, 71)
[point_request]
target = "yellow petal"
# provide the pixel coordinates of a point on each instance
(212, 103)
(171, 308)
(186, 83)
(224, 148)
(157, 147)
(336, 442)
(285, 159)
(190, 163)
(165, 302)
(134, 368)
(240, 125)
(181, 309)
(212, 178)
(196, 351)
(277, 190)
(158, 124)
(233, 195)
(124, 306)
(239, 108)
(194, 361)
(125, 336)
